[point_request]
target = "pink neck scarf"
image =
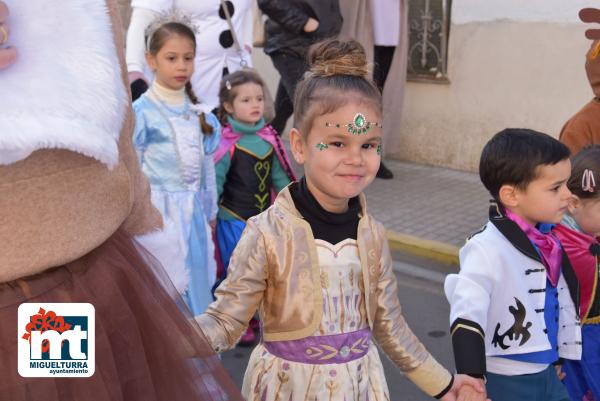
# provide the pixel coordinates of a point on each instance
(547, 245)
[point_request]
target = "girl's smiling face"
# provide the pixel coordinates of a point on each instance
(347, 163)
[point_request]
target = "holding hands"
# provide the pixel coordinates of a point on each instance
(8, 54)
(466, 388)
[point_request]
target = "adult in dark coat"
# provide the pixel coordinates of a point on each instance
(291, 28)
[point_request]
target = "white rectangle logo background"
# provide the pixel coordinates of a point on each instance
(79, 362)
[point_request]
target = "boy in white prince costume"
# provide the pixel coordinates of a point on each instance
(514, 304)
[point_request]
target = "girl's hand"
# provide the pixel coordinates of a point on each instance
(311, 25)
(213, 224)
(468, 393)
(474, 389)
(8, 55)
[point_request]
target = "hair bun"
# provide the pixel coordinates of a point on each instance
(338, 57)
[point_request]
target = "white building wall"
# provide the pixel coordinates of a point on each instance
(564, 11)
(511, 63)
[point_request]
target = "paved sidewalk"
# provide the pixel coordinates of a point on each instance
(431, 203)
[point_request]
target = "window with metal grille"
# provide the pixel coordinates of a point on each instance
(428, 27)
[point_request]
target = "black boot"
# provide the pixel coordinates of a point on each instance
(384, 172)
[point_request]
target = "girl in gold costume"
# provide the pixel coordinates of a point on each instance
(317, 265)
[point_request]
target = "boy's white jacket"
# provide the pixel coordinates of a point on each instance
(493, 275)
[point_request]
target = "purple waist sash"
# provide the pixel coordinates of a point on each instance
(319, 350)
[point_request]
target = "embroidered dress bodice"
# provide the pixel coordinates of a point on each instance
(249, 182)
(343, 300)
(249, 170)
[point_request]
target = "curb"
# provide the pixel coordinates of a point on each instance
(429, 249)
(420, 272)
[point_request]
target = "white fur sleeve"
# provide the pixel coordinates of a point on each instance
(49, 99)
(136, 46)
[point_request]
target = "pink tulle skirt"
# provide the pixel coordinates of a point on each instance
(147, 345)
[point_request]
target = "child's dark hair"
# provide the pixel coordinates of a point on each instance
(157, 40)
(586, 162)
(228, 88)
(513, 155)
(338, 75)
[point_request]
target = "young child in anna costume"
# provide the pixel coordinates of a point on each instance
(578, 233)
(514, 304)
(252, 165)
(317, 266)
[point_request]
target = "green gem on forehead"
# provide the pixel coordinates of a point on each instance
(359, 120)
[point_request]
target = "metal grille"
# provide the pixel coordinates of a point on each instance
(429, 22)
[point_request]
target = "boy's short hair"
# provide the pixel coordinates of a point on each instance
(513, 155)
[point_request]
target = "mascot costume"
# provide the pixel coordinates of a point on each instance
(72, 203)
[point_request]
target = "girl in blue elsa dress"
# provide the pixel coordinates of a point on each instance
(175, 141)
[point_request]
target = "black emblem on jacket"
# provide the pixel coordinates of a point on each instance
(516, 330)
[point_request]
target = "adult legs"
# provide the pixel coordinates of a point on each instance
(291, 69)
(383, 57)
(284, 108)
